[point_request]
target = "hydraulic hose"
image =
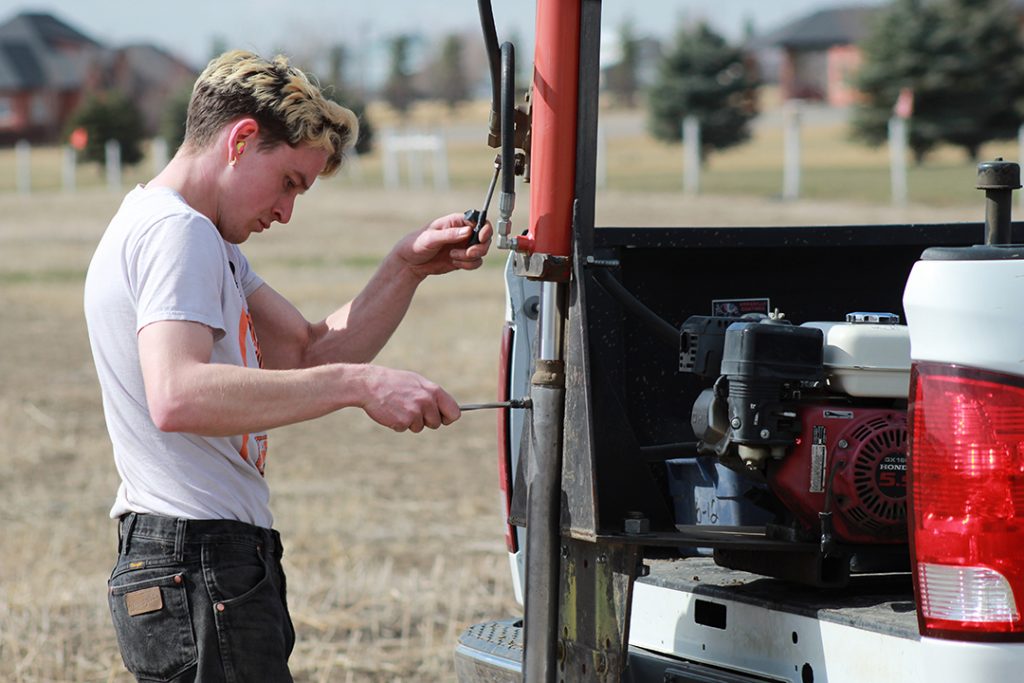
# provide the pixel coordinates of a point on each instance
(662, 328)
(493, 62)
(508, 125)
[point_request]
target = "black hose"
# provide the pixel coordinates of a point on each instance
(493, 59)
(508, 125)
(662, 328)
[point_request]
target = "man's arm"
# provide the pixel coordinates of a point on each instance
(185, 392)
(357, 331)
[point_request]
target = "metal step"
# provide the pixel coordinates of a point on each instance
(490, 652)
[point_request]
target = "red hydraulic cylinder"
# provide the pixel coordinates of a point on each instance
(553, 150)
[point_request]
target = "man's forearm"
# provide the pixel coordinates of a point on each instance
(214, 399)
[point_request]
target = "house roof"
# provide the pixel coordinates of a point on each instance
(39, 50)
(50, 30)
(824, 28)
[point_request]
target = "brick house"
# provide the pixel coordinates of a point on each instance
(47, 68)
(820, 53)
(44, 66)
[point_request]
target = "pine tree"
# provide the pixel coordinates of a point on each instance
(450, 84)
(336, 89)
(703, 76)
(110, 116)
(622, 78)
(962, 59)
(398, 89)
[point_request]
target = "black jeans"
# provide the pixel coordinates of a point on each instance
(200, 600)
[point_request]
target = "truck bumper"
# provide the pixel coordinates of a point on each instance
(492, 652)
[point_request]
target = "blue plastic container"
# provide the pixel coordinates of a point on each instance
(706, 492)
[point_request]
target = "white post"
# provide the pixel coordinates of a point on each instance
(390, 160)
(113, 160)
(70, 160)
(160, 154)
(691, 155)
(23, 155)
(1020, 158)
(602, 157)
(792, 151)
(440, 162)
(898, 159)
(414, 163)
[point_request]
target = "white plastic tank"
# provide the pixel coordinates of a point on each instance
(866, 356)
(965, 305)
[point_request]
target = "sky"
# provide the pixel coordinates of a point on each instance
(190, 28)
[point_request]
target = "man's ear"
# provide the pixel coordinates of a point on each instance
(242, 133)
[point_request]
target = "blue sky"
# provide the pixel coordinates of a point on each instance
(189, 27)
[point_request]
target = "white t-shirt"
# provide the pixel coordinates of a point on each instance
(159, 260)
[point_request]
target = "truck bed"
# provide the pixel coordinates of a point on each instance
(880, 603)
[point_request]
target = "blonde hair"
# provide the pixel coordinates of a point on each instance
(286, 103)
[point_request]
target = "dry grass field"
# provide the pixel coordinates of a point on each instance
(393, 542)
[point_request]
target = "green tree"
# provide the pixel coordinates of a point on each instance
(398, 89)
(621, 79)
(336, 90)
(963, 60)
(110, 116)
(172, 123)
(449, 81)
(703, 76)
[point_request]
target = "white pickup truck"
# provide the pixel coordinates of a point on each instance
(737, 463)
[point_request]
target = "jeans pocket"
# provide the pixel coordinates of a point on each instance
(153, 623)
(235, 571)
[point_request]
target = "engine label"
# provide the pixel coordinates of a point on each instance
(819, 460)
(735, 308)
(891, 475)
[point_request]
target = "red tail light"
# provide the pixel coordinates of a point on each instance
(966, 473)
(505, 472)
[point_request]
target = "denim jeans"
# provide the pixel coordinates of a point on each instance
(200, 600)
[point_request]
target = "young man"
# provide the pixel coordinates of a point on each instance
(197, 358)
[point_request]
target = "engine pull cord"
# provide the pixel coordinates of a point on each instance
(825, 516)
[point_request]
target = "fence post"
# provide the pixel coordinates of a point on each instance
(691, 156)
(1020, 157)
(390, 155)
(160, 155)
(23, 155)
(602, 157)
(792, 150)
(70, 159)
(898, 159)
(113, 161)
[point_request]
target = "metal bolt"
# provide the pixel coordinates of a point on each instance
(843, 443)
(636, 523)
(765, 433)
(735, 423)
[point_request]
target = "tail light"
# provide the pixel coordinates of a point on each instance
(505, 471)
(966, 473)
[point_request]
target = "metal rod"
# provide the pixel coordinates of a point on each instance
(516, 403)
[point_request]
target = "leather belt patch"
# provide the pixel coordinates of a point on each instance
(144, 601)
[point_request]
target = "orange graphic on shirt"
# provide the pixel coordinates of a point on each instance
(247, 331)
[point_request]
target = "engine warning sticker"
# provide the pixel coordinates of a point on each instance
(735, 308)
(819, 458)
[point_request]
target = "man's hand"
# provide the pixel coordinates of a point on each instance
(403, 400)
(440, 247)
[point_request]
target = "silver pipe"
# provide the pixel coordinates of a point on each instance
(544, 488)
(552, 320)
